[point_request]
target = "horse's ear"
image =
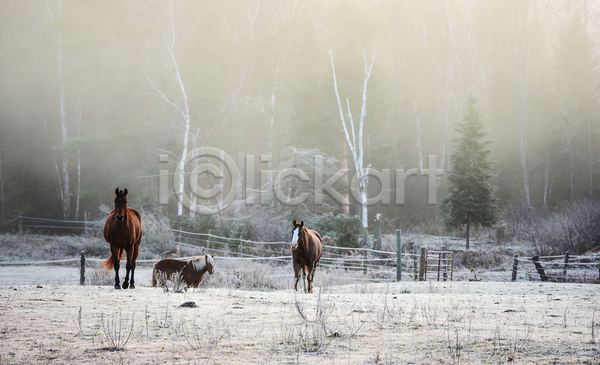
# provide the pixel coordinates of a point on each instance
(301, 223)
(125, 192)
(116, 191)
(213, 256)
(294, 224)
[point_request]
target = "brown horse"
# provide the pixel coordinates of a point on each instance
(306, 253)
(123, 230)
(190, 271)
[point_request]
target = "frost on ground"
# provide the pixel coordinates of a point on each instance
(395, 323)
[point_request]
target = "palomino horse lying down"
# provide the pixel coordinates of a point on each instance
(190, 271)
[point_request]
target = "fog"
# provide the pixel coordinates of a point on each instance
(92, 93)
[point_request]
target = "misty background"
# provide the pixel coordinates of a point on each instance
(92, 92)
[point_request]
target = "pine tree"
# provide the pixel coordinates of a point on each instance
(471, 201)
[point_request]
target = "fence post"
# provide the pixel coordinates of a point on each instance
(208, 241)
(539, 268)
(514, 270)
(202, 251)
(365, 260)
(415, 267)
(241, 247)
(398, 255)
(82, 269)
(444, 263)
(20, 222)
(566, 266)
(423, 263)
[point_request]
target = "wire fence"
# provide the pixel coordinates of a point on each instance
(373, 265)
(558, 268)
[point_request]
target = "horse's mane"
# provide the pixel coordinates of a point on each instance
(306, 232)
(199, 263)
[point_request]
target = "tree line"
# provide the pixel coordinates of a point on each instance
(92, 94)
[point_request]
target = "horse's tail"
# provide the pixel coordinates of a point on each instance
(154, 276)
(109, 264)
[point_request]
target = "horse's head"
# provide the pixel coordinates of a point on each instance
(296, 232)
(120, 205)
(210, 263)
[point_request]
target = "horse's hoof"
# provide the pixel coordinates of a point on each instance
(125, 285)
(117, 286)
(131, 286)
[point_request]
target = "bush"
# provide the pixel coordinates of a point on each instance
(486, 259)
(573, 227)
(344, 230)
(199, 224)
(156, 237)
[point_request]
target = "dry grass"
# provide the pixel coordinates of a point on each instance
(395, 323)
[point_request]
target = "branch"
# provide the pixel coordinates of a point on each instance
(351, 121)
(363, 112)
(424, 41)
(350, 145)
(160, 92)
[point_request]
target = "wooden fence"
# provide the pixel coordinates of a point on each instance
(559, 268)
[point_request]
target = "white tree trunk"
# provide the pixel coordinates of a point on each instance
(418, 125)
(523, 56)
(344, 180)
(66, 203)
(78, 160)
(546, 177)
(65, 191)
(356, 146)
(2, 201)
(523, 127)
(183, 110)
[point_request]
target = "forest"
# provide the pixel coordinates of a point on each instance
(100, 95)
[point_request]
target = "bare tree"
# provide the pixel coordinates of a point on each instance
(522, 48)
(418, 125)
(63, 176)
(2, 201)
(78, 120)
(182, 106)
(356, 145)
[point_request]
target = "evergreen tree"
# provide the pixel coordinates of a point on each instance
(471, 201)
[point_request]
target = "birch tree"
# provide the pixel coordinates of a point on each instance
(78, 120)
(356, 144)
(179, 102)
(529, 16)
(457, 68)
(522, 49)
(2, 201)
(63, 173)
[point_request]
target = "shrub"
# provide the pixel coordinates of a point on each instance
(344, 230)
(199, 224)
(573, 227)
(156, 235)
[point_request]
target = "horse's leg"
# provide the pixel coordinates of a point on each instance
(311, 277)
(310, 270)
(304, 271)
(136, 250)
(128, 268)
(296, 275)
(115, 252)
